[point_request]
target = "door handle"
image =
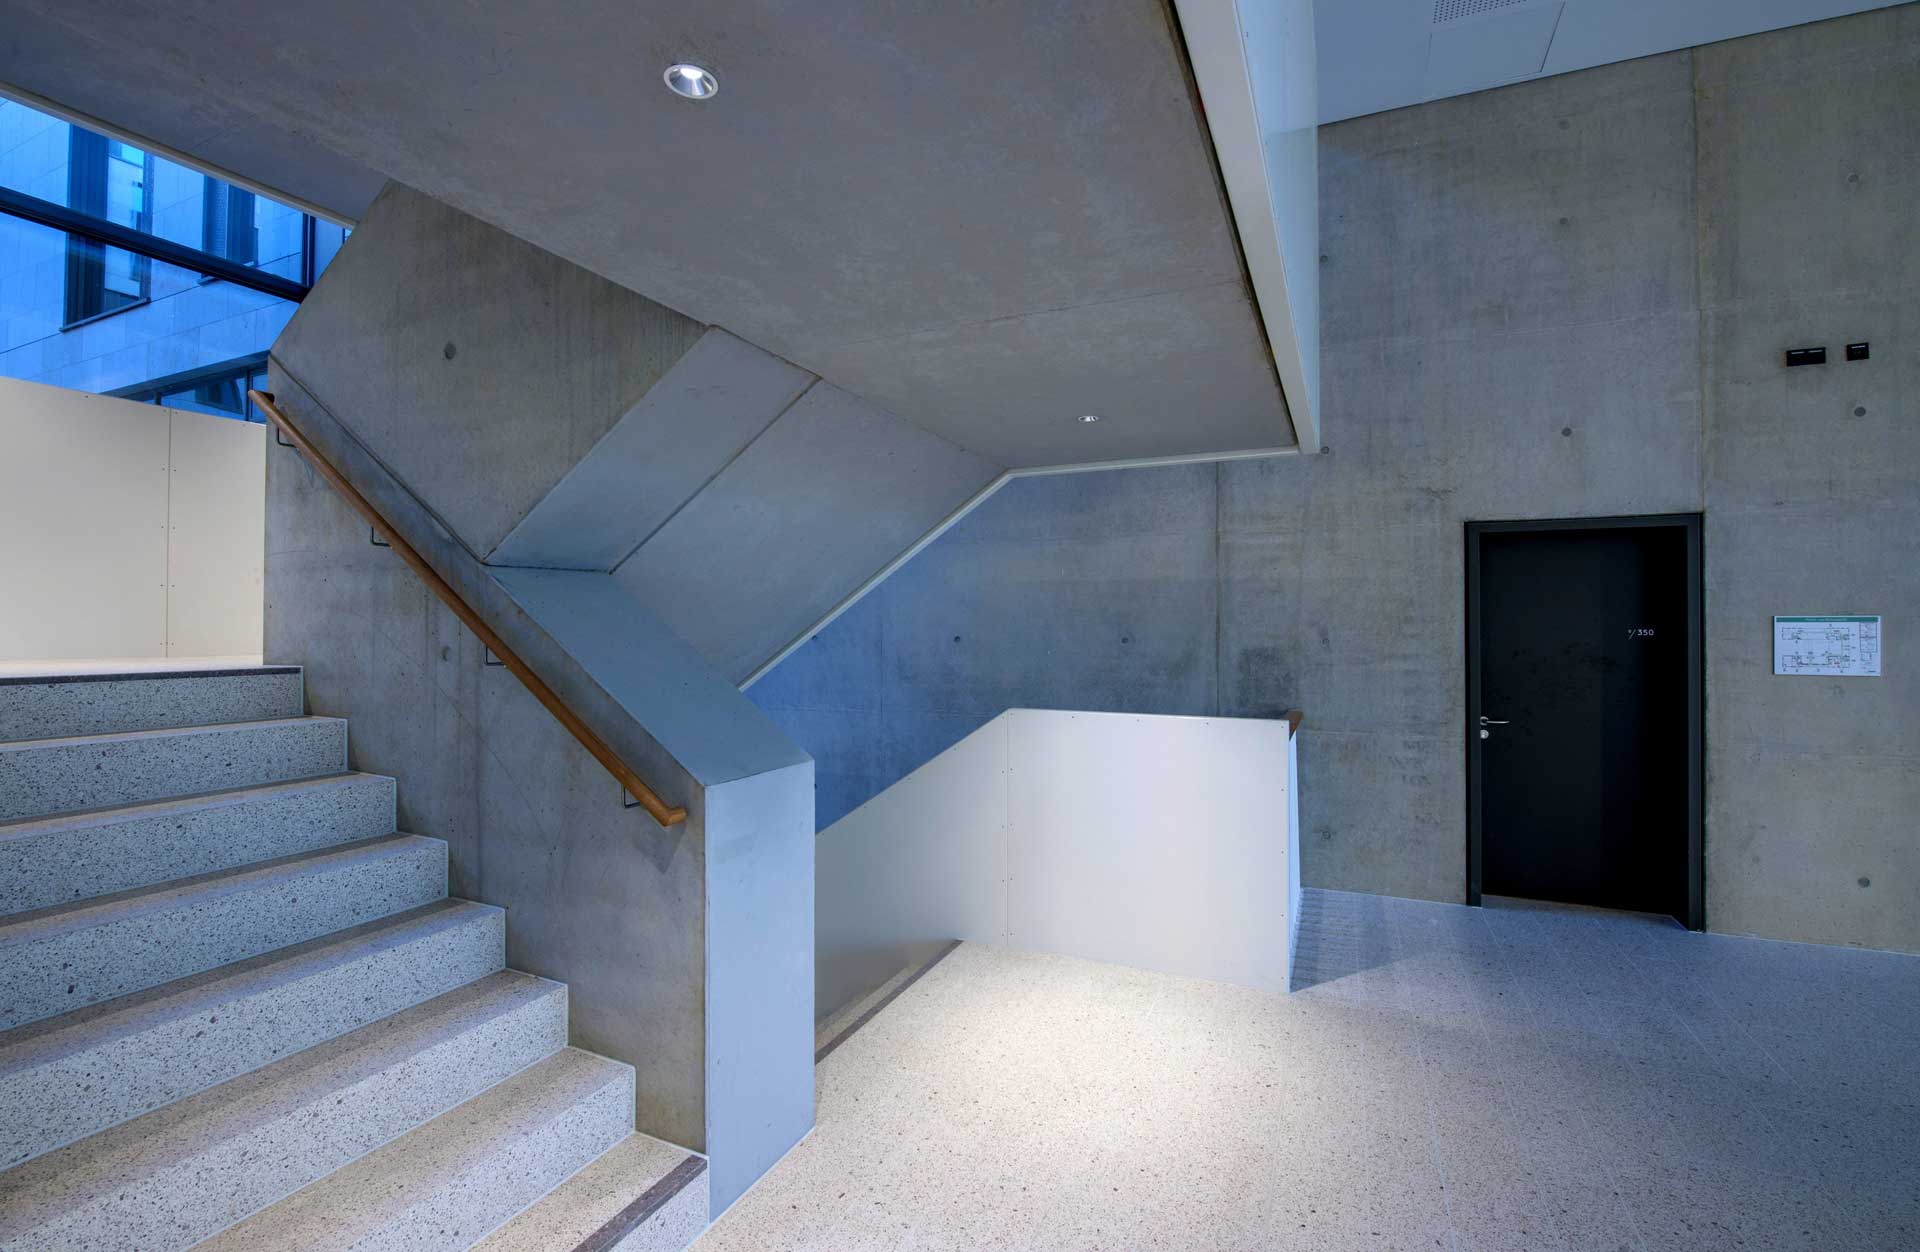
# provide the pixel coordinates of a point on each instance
(1488, 721)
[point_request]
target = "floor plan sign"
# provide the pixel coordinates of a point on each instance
(1847, 646)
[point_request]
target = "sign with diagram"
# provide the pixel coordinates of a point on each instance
(1848, 647)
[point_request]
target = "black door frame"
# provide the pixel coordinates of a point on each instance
(1690, 523)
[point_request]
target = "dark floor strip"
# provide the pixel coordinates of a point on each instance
(635, 1215)
(893, 995)
(49, 680)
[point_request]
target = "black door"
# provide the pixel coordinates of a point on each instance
(1584, 712)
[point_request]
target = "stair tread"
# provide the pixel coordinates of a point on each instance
(135, 736)
(25, 827)
(37, 1042)
(67, 774)
(64, 957)
(53, 704)
(643, 1192)
(66, 1077)
(447, 1183)
(183, 1172)
(64, 918)
(71, 857)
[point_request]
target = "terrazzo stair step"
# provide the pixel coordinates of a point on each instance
(41, 777)
(101, 704)
(185, 1172)
(642, 1195)
(77, 856)
(444, 1186)
(68, 1077)
(60, 959)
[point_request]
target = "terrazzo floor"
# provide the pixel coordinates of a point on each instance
(1513, 1077)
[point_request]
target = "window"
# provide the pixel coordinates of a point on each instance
(217, 389)
(125, 272)
(226, 222)
(107, 179)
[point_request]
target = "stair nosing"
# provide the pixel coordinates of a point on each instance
(666, 1187)
(137, 675)
(664, 1191)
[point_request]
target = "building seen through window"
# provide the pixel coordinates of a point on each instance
(140, 320)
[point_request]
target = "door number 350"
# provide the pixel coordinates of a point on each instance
(1640, 632)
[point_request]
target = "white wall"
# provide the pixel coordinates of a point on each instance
(1157, 842)
(127, 530)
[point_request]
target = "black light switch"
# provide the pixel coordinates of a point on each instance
(1856, 352)
(1806, 356)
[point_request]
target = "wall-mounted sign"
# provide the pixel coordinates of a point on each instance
(1844, 646)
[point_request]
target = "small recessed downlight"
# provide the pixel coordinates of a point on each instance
(691, 81)
(1089, 417)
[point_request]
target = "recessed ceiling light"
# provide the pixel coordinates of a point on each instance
(1090, 417)
(691, 81)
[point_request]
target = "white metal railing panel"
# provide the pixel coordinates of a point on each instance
(127, 529)
(1165, 843)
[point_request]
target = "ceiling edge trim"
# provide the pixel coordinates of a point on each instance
(1209, 32)
(86, 121)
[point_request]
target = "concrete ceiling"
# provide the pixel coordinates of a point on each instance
(988, 219)
(1385, 54)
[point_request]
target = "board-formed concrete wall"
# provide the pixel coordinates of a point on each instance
(1559, 299)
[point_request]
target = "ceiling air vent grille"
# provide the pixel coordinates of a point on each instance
(1454, 10)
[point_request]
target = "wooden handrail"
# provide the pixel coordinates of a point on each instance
(648, 798)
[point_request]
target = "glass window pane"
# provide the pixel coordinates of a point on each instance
(33, 152)
(185, 323)
(224, 396)
(126, 186)
(78, 313)
(118, 182)
(124, 274)
(327, 239)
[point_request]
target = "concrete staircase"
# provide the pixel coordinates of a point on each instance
(238, 1010)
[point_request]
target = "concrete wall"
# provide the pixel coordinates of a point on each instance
(1565, 298)
(126, 530)
(481, 368)
(1809, 233)
(708, 476)
(1088, 591)
(454, 374)
(532, 822)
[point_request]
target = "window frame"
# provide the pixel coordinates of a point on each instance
(154, 390)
